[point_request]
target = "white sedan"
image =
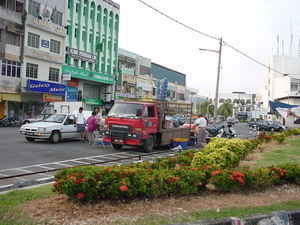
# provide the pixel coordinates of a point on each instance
(54, 128)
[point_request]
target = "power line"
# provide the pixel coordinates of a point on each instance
(209, 37)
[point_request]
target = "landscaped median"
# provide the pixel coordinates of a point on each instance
(184, 174)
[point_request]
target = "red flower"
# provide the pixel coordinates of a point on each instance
(73, 177)
(80, 195)
(98, 196)
(79, 181)
(214, 173)
(175, 178)
(123, 188)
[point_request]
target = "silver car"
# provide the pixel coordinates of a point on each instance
(37, 118)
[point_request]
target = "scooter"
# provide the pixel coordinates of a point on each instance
(3, 121)
(231, 132)
(212, 132)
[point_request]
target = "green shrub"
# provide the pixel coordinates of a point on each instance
(279, 137)
(295, 131)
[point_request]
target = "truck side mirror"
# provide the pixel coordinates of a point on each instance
(138, 112)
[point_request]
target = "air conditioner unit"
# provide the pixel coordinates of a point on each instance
(106, 97)
(108, 89)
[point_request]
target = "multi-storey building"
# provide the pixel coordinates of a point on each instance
(44, 54)
(281, 83)
(176, 90)
(91, 51)
(11, 51)
(135, 79)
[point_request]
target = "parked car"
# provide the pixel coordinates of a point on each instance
(265, 125)
(280, 124)
(54, 128)
(235, 120)
(37, 118)
(189, 122)
(230, 121)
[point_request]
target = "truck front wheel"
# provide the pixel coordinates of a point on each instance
(117, 146)
(149, 144)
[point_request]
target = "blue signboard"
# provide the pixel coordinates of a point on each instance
(45, 44)
(71, 98)
(73, 90)
(46, 87)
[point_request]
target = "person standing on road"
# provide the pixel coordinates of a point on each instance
(81, 122)
(92, 125)
(201, 124)
(98, 118)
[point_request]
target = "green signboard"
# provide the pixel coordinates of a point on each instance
(92, 101)
(88, 75)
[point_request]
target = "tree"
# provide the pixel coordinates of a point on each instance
(225, 110)
(206, 108)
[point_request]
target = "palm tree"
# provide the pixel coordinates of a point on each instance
(206, 108)
(225, 110)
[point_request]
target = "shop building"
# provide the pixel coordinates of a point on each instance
(44, 55)
(135, 79)
(91, 56)
(176, 89)
(11, 48)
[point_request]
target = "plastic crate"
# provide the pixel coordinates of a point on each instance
(183, 144)
(191, 141)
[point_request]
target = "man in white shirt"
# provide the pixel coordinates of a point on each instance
(201, 124)
(12, 113)
(81, 122)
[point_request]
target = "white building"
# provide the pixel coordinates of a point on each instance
(242, 102)
(281, 83)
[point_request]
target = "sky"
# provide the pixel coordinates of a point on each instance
(252, 27)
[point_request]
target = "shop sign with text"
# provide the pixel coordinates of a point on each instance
(52, 98)
(82, 55)
(46, 87)
(88, 75)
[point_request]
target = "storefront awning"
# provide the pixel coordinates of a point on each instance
(10, 97)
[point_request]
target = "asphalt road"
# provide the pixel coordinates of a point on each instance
(16, 151)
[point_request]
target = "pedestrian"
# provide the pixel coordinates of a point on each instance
(92, 125)
(201, 124)
(55, 111)
(98, 118)
(12, 113)
(80, 122)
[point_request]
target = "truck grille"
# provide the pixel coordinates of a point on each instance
(117, 127)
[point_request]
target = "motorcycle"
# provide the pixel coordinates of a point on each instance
(231, 132)
(212, 132)
(3, 121)
(11, 122)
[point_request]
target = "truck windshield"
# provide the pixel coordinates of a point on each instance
(125, 110)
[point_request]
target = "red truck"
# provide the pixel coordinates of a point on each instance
(142, 123)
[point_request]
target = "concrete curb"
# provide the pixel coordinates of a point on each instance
(19, 185)
(289, 217)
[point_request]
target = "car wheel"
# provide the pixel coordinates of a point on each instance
(272, 129)
(149, 144)
(26, 122)
(115, 146)
(30, 139)
(55, 137)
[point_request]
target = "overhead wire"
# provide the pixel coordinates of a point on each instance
(210, 37)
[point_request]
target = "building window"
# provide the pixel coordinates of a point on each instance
(77, 7)
(32, 70)
(83, 35)
(12, 39)
(221, 100)
(294, 86)
(55, 46)
(34, 8)
(33, 40)
(53, 74)
(228, 100)
(69, 4)
(11, 68)
(248, 101)
(57, 18)
(76, 32)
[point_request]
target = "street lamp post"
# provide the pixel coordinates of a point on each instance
(218, 78)
(288, 97)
